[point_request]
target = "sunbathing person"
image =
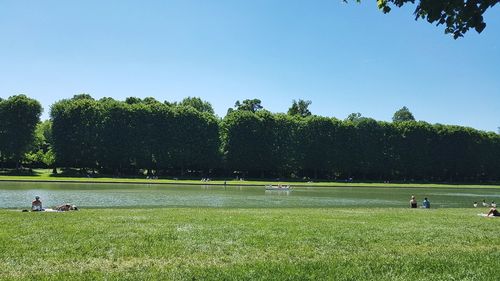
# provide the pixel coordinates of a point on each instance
(413, 202)
(66, 207)
(493, 212)
(36, 205)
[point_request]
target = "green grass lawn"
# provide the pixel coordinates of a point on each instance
(46, 175)
(250, 244)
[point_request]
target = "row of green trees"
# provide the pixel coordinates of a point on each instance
(126, 137)
(123, 137)
(323, 147)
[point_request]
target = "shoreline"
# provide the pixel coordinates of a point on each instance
(240, 183)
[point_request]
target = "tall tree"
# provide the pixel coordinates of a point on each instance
(195, 139)
(19, 116)
(115, 136)
(76, 124)
(317, 136)
(354, 117)
(285, 141)
(198, 104)
(252, 105)
(300, 108)
(369, 150)
(246, 141)
(41, 152)
(403, 114)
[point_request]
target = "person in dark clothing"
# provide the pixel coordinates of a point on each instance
(413, 202)
(493, 212)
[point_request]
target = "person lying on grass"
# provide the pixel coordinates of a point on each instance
(493, 212)
(66, 207)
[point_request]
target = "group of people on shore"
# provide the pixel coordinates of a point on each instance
(493, 204)
(37, 206)
(426, 204)
(493, 211)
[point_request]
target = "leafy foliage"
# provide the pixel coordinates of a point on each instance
(403, 114)
(300, 108)
(252, 105)
(354, 117)
(41, 153)
(125, 137)
(19, 116)
(198, 104)
(457, 16)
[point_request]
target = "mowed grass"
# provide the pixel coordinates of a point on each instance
(45, 175)
(250, 244)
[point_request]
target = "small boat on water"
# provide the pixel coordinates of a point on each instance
(279, 187)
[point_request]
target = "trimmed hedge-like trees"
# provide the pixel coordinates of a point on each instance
(125, 137)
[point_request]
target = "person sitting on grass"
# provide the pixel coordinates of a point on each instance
(485, 204)
(413, 202)
(493, 212)
(36, 205)
(66, 207)
(426, 204)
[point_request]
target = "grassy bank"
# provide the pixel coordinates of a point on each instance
(242, 244)
(44, 175)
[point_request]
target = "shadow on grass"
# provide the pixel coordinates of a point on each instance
(78, 173)
(24, 172)
(20, 172)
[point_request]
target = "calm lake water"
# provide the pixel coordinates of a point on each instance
(19, 195)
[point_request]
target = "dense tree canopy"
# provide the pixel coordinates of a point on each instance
(19, 116)
(354, 117)
(321, 147)
(198, 104)
(148, 136)
(252, 105)
(403, 114)
(300, 108)
(457, 15)
(122, 137)
(41, 153)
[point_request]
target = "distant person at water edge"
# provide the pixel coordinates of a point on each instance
(493, 212)
(493, 204)
(485, 204)
(413, 202)
(66, 207)
(36, 205)
(475, 204)
(426, 204)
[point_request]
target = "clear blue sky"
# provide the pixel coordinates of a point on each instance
(343, 57)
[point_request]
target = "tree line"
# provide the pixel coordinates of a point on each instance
(139, 136)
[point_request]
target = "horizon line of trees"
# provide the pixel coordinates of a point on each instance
(188, 139)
